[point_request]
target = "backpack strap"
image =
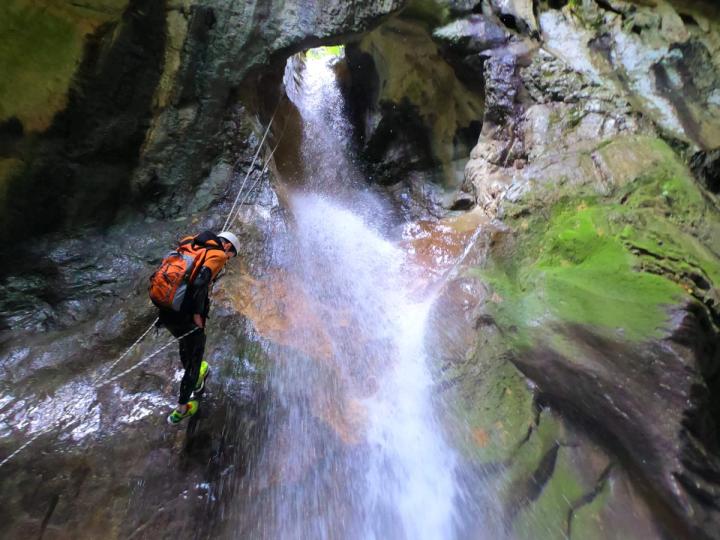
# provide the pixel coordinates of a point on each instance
(204, 237)
(201, 241)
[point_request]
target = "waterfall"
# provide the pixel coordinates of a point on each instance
(354, 449)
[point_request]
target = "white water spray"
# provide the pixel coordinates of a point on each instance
(407, 489)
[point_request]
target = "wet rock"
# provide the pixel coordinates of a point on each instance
(487, 176)
(419, 117)
(214, 67)
(89, 143)
(571, 472)
(516, 13)
(706, 167)
(501, 85)
(650, 57)
(473, 34)
(605, 366)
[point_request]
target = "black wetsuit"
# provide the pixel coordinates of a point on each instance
(192, 347)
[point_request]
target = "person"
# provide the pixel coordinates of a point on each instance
(213, 251)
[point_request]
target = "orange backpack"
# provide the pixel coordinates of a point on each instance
(169, 283)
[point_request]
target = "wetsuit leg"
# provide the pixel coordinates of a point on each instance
(192, 348)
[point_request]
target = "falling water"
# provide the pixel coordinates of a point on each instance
(353, 447)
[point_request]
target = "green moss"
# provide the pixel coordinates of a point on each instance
(589, 276)
(589, 520)
(579, 270)
(547, 516)
(614, 263)
(526, 459)
(41, 48)
(574, 117)
(39, 54)
(495, 405)
(326, 52)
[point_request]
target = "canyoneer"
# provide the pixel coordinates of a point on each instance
(180, 288)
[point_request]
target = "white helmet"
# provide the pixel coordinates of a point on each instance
(230, 237)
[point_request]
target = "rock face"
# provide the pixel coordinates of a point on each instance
(127, 115)
(600, 282)
(577, 345)
(141, 100)
(417, 116)
(604, 272)
(663, 64)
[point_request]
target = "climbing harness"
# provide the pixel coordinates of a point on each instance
(97, 382)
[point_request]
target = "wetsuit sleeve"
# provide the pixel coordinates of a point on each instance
(201, 287)
(215, 261)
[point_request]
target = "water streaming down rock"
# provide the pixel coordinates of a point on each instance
(353, 447)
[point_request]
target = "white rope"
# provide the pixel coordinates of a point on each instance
(29, 442)
(249, 171)
(95, 383)
(97, 386)
(146, 359)
(258, 179)
(123, 355)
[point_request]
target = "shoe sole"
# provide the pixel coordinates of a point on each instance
(183, 418)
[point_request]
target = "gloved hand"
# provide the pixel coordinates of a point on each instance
(198, 320)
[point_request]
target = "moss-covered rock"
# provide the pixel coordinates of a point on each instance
(616, 263)
(493, 402)
(41, 49)
(601, 274)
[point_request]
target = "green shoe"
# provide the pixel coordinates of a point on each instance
(204, 372)
(176, 416)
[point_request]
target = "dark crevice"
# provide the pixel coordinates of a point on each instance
(691, 485)
(679, 95)
(541, 476)
(11, 131)
(607, 6)
(689, 20)
(462, 205)
(557, 4)
(706, 168)
(587, 498)
(51, 509)
(509, 21)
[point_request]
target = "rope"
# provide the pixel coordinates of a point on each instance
(249, 171)
(96, 381)
(29, 442)
(97, 386)
(146, 359)
(123, 355)
(259, 178)
(249, 192)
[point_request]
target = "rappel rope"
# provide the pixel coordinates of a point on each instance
(146, 359)
(97, 382)
(260, 176)
(96, 386)
(250, 169)
(123, 355)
